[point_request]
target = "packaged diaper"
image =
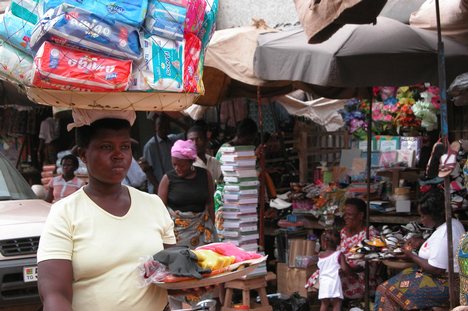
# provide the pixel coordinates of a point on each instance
(16, 31)
(69, 25)
(131, 12)
(15, 64)
(26, 10)
(195, 14)
(64, 68)
(191, 61)
(162, 68)
(166, 20)
(209, 22)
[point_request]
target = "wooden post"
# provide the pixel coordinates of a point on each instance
(302, 154)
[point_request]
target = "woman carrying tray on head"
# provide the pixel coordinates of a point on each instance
(93, 239)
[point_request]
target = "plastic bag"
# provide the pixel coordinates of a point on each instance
(151, 271)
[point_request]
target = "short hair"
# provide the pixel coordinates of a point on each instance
(246, 128)
(333, 237)
(432, 203)
(198, 129)
(84, 134)
(360, 205)
(72, 158)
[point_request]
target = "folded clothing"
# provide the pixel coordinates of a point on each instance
(16, 31)
(130, 12)
(15, 64)
(162, 68)
(72, 26)
(180, 261)
(229, 249)
(60, 67)
(165, 20)
(192, 76)
(208, 259)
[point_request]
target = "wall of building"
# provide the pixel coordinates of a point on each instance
(235, 13)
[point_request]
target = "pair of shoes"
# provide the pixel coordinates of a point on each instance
(448, 161)
(284, 196)
(279, 203)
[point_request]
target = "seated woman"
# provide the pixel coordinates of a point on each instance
(425, 285)
(354, 232)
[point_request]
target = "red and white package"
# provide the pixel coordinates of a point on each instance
(191, 61)
(63, 68)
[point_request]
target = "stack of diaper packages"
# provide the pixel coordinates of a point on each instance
(107, 46)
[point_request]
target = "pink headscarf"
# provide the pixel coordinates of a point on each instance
(184, 149)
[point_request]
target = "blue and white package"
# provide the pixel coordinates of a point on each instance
(165, 20)
(26, 10)
(209, 22)
(72, 26)
(14, 64)
(16, 32)
(163, 65)
(130, 12)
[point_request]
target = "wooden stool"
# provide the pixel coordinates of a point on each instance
(246, 285)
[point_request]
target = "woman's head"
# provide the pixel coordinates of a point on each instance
(246, 132)
(105, 147)
(432, 208)
(69, 164)
(330, 239)
(354, 213)
(183, 153)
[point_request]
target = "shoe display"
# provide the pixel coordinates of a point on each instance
(284, 196)
(279, 203)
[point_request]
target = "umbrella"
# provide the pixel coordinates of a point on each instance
(357, 57)
(228, 70)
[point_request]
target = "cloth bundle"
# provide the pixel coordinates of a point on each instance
(63, 68)
(72, 26)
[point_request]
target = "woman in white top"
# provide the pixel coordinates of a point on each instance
(425, 285)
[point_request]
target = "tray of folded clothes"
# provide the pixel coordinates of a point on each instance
(181, 268)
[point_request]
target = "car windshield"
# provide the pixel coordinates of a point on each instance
(12, 184)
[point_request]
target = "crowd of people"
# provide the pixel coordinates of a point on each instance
(109, 218)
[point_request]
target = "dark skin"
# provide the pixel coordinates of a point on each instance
(414, 244)
(354, 223)
(108, 158)
(69, 169)
(183, 169)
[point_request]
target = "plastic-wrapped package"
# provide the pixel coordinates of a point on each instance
(163, 65)
(26, 10)
(209, 22)
(16, 31)
(191, 61)
(63, 68)
(72, 26)
(195, 15)
(15, 64)
(165, 20)
(131, 12)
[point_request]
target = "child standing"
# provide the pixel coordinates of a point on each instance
(330, 261)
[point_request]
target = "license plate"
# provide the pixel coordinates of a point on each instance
(30, 274)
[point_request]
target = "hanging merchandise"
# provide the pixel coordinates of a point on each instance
(138, 55)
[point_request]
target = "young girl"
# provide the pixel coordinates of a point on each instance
(330, 261)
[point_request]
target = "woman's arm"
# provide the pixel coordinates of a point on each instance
(210, 202)
(423, 263)
(344, 264)
(55, 284)
(50, 194)
(163, 189)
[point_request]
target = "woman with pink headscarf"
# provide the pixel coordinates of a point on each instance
(187, 192)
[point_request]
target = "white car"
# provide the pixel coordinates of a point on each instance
(22, 218)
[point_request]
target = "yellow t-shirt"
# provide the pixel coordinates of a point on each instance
(105, 250)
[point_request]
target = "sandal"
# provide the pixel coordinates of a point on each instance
(448, 161)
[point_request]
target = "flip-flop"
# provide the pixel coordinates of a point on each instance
(448, 161)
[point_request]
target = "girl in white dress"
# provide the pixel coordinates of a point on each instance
(330, 262)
